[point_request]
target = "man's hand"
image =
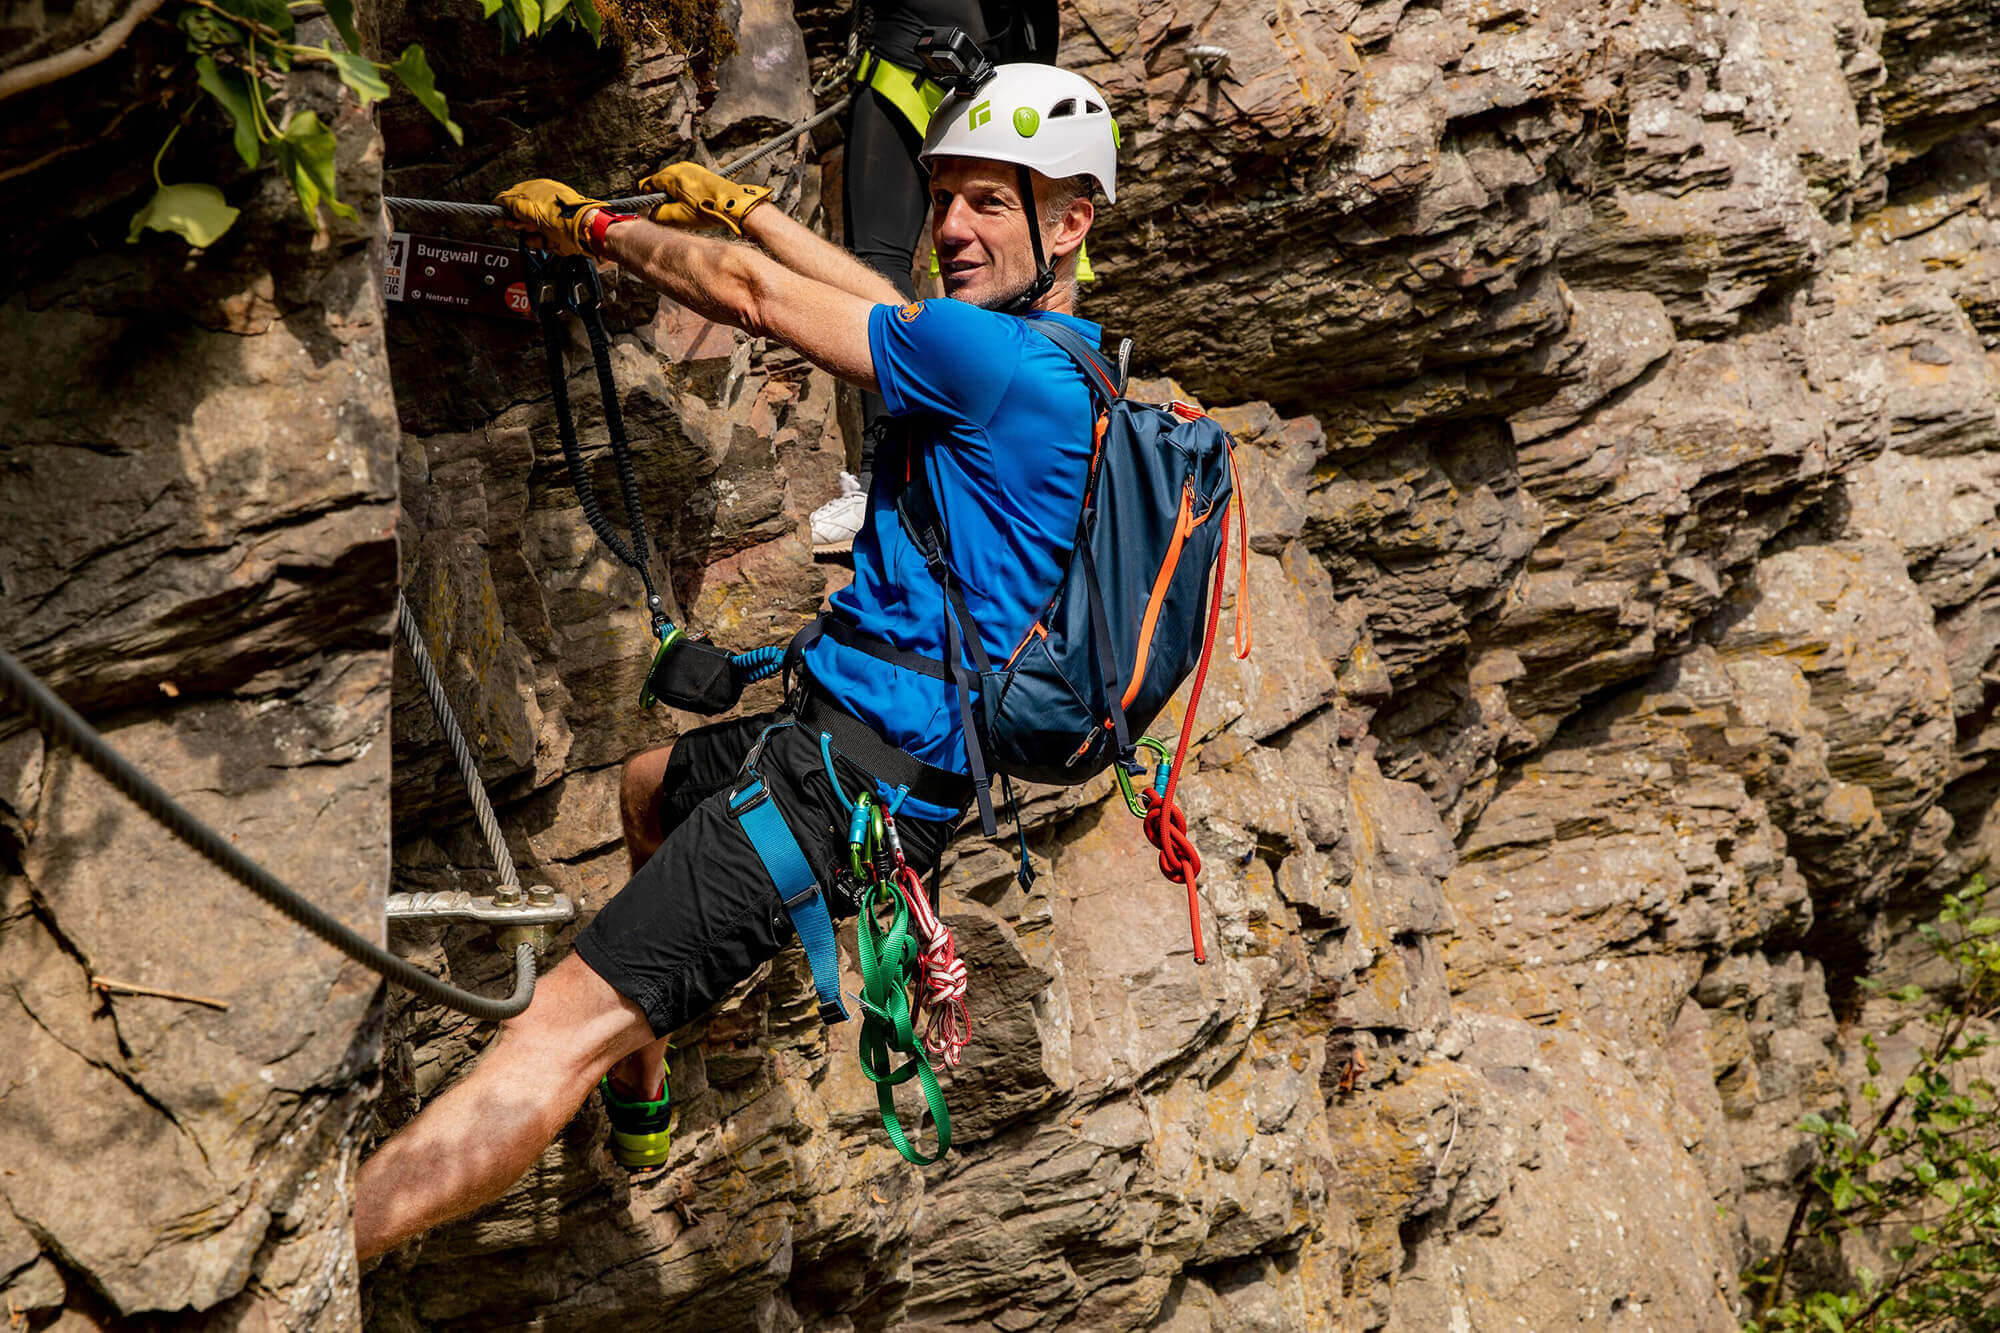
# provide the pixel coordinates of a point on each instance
(553, 209)
(701, 198)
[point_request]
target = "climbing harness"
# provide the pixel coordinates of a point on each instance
(785, 861)
(913, 952)
(62, 724)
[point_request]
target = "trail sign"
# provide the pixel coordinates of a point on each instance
(466, 276)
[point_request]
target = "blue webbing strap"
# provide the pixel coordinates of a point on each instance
(792, 876)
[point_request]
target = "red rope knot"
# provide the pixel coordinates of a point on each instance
(940, 977)
(1180, 861)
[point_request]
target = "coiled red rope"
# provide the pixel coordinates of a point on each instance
(1166, 823)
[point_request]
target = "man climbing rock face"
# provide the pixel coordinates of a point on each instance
(1002, 417)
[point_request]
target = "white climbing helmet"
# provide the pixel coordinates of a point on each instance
(1034, 116)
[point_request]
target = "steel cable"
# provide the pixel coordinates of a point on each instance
(61, 723)
(468, 767)
(643, 203)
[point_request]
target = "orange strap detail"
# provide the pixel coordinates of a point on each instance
(1183, 525)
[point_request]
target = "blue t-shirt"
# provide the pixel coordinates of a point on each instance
(1009, 418)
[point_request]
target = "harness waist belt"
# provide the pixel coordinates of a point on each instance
(864, 745)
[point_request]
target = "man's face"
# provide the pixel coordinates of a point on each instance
(979, 228)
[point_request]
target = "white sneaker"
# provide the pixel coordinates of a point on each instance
(835, 523)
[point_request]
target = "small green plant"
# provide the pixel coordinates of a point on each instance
(238, 48)
(1914, 1170)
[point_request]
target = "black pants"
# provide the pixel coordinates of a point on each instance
(702, 914)
(885, 204)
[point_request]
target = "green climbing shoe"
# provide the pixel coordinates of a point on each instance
(640, 1136)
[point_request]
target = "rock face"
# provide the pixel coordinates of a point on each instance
(1619, 438)
(199, 508)
(1617, 391)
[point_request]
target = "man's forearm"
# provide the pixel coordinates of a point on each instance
(694, 270)
(808, 254)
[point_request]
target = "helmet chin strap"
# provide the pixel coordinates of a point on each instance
(1045, 276)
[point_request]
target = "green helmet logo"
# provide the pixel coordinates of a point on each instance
(980, 115)
(1026, 122)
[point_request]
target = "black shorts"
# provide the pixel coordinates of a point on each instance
(703, 913)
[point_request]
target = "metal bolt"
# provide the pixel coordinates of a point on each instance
(541, 895)
(1208, 62)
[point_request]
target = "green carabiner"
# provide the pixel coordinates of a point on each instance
(1132, 799)
(671, 637)
(858, 830)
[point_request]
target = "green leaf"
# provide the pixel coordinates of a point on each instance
(342, 14)
(197, 213)
(1812, 1123)
(1983, 925)
(530, 14)
(273, 14)
(230, 88)
(1843, 1194)
(1829, 1318)
(552, 10)
(362, 75)
(305, 155)
(206, 31)
(586, 13)
(415, 72)
(491, 7)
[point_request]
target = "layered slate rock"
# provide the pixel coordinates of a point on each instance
(1616, 415)
(199, 502)
(1615, 393)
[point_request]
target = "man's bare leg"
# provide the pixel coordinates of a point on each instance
(469, 1145)
(641, 1076)
(639, 804)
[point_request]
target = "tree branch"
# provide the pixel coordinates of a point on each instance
(40, 73)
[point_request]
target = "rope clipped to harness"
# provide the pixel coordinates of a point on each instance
(888, 1027)
(570, 286)
(913, 953)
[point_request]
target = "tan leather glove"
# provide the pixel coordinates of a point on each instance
(553, 209)
(701, 198)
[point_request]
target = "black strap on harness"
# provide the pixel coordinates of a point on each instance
(569, 285)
